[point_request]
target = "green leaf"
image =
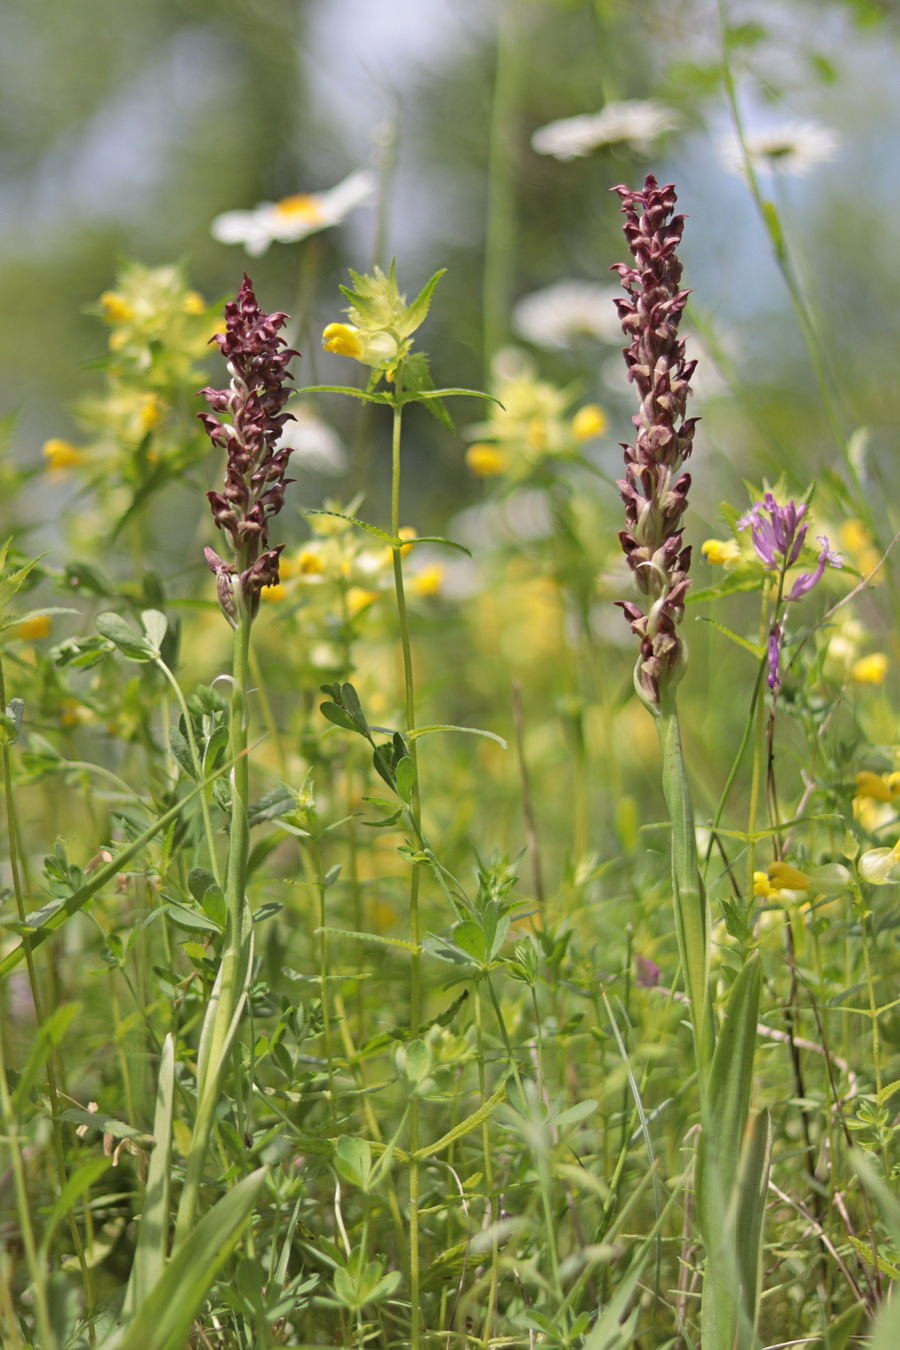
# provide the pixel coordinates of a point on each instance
(153, 1230)
(353, 1160)
(345, 389)
(129, 643)
(156, 626)
(417, 311)
(181, 752)
(49, 1036)
(406, 777)
(450, 393)
(749, 1211)
(162, 1320)
(340, 717)
(468, 731)
(572, 1114)
(754, 648)
(437, 539)
(79, 1182)
(106, 1124)
(469, 937)
(363, 525)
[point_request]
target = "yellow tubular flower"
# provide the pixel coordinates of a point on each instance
(61, 455)
(787, 877)
(870, 669)
(589, 422)
(36, 627)
(878, 787)
(720, 552)
(343, 339)
(486, 460)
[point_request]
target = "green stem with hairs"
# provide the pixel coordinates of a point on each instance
(220, 1023)
(416, 815)
(692, 921)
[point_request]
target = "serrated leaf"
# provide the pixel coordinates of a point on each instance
(363, 525)
(754, 648)
(345, 389)
(437, 539)
(417, 311)
(467, 731)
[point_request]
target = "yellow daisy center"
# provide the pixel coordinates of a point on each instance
(300, 207)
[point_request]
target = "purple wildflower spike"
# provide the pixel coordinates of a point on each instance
(806, 580)
(654, 489)
(254, 474)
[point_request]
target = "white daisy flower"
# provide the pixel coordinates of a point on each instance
(295, 217)
(638, 121)
(560, 314)
(792, 149)
(314, 444)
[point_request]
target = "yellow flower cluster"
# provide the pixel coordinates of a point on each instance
(530, 423)
(159, 332)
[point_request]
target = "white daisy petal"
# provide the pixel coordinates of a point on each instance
(637, 121)
(792, 149)
(293, 218)
(560, 314)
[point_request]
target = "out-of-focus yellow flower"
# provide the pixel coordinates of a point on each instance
(359, 599)
(589, 422)
(486, 460)
(193, 303)
(883, 787)
(860, 544)
(274, 593)
(721, 552)
(150, 412)
(61, 455)
(870, 669)
(429, 581)
(407, 532)
(309, 563)
(72, 713)
(780, 882)
(38, 626)
(115, 308)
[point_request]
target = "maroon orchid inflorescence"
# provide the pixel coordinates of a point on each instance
(654, 489)
(254, 476)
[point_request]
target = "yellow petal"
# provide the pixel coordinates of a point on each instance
(36, 627)
(787, 877)
(428, 581)
(343, 339)
(720, 551)
(874, 785)
(115, 308)
(61, 455)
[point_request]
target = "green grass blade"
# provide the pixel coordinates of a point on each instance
(163, 1320)
(153, 1230)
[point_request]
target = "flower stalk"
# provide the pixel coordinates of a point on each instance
(253, 492)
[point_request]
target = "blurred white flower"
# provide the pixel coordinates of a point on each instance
(638, 121)
(295, 217)
(558, 315)
(792, 149)
(314, 444)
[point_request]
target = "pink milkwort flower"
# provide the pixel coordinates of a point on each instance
(655, 489)
(257, 456)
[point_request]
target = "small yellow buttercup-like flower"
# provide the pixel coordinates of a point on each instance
(193, 303)
(38, 626)
(870, 669)
(429, 581)
(61, 455)
(720, 552)
(589, 422)
(486, 460)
